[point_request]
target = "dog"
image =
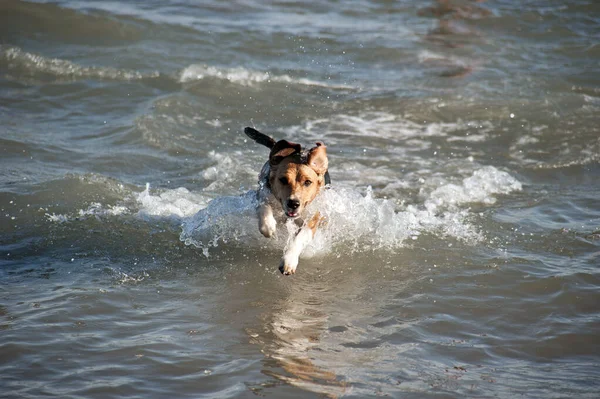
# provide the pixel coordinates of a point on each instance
(287, 183)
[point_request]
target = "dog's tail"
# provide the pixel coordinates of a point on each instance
(259, 137)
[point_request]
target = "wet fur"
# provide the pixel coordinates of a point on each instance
(288, 182)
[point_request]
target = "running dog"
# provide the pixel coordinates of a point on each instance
(287, 183)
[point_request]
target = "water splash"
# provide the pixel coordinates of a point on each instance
(225, 219)
(170, 204)
(355, 221)
(480, 187)
(95, 210)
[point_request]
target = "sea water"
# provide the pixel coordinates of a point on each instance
(460, 250)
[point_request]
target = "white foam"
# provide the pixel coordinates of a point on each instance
(225, 219)
(247, 77)
(95, 209)
(480, 187)
(34, 63)
(227, 170)
(57, 218)
(426, 56)
(355, 221)
(391, 126)
(170, 204)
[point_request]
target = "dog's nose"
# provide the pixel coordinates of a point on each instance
(293, 204)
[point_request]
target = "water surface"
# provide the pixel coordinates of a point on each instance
(462, 250)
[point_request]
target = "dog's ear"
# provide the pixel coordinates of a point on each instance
(317, 159)
(282, 149)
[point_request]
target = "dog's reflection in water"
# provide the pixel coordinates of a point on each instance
(291, 339)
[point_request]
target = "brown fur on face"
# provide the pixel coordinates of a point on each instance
(296, 182)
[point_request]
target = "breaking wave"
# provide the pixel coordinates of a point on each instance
(246, 77)
(33, 65)
(25, 64)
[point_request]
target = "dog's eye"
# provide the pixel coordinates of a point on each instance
(307, 183)
(284, 181)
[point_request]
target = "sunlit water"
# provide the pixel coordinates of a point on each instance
(461, 251)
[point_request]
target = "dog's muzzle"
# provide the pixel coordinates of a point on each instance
(292, 206)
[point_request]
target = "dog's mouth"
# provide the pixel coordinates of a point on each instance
(292, 213)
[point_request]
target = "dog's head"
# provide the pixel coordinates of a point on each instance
(296, 176)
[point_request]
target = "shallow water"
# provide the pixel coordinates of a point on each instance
(462, 247)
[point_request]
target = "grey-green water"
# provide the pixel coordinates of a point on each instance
(462, 251)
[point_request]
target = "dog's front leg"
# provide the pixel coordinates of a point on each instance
(266, 222)
(289, 262)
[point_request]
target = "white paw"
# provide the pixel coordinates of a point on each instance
(288, 264)
(268, 226)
